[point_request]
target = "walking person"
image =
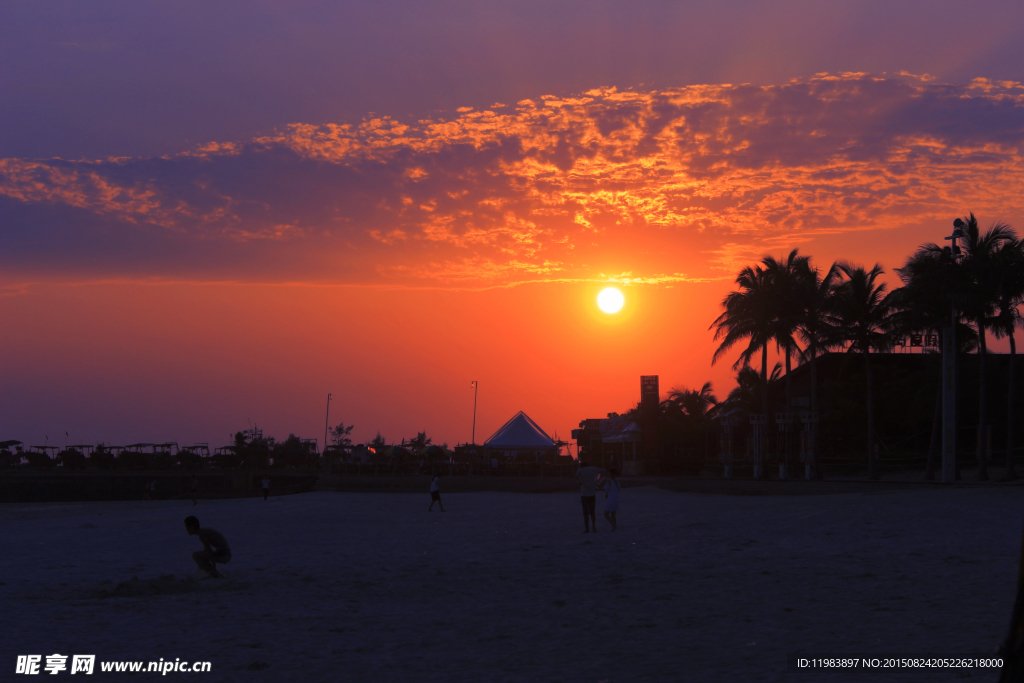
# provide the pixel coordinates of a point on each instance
(589, 478)
(611, 497)
(194, 489)
(266, 487)
(435, 493)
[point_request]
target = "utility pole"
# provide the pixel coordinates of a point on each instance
(476, 388)
(949, 373)
(327, 419)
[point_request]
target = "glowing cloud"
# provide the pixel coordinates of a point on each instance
(550, 188)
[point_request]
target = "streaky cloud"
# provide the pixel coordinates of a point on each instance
(550, 188)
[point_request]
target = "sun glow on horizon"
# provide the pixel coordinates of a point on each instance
(610, 300)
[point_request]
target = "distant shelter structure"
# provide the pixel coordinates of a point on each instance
(522, 439)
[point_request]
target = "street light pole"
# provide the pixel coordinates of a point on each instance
(949, 373)
(327, 419)
(476, 388)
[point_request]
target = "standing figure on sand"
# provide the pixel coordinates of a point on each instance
(589, 479)
(435, 493)
(215, 547)
(266, 487)
(611, 489)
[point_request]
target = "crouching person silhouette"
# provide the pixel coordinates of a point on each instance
(215, 547)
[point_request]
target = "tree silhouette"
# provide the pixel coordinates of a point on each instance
(340, 435)
(814, 295)
(693, 402)
(421, 440)
(749, 315)
(862, 312)
(932, 288)
(746, 395)
(783, 278)
(981, 266)
(1010, 268)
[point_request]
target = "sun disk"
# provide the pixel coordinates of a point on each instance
(610, 300)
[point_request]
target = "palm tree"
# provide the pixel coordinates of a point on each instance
(814, 295)
(1010, 266)
(932, 283)
(981, 266)
(748, 315)
(746, 395)
(784, 283)
(693, 405)
(693, 402)
(861, 314)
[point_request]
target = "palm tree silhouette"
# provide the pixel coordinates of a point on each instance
(861, 312)
(784, 283)
(748, 315)
(981, 266)
(694, 402)
(1010, 267)
(746, 395)
(814, 296)
(932, 283)
(693, 407)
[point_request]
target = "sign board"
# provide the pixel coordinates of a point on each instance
(649, 392)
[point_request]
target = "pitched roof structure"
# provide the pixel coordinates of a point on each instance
(520, 432)
(631, 432)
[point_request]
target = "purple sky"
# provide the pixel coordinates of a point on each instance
(103, 78)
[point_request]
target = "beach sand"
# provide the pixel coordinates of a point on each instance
(505, 587)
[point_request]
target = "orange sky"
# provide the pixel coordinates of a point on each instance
(391, 263)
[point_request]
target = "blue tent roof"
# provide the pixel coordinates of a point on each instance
(520, 432)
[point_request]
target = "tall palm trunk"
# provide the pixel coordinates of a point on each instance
(980, 448)
(1011, 416)
(764, 380)
(789, 381)
(936, 440)
(764, 409)
(815, 472)
(872, 462)
(789, 402)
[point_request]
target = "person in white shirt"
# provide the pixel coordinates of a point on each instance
(266, 487)
(435, 493)
(611, 497)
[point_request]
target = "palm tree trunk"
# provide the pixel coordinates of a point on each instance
(764, 409)
(1011, 416)
(789, 402)
(764, 380)
(980, 446)
(815, 471)
(872, 462)
(935, 442)
(789, 382)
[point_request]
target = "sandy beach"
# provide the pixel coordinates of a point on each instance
(505, 587)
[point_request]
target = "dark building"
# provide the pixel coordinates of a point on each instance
(617, 441)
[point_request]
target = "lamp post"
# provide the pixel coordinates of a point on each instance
(949, 373)
(327, 420)
(476, 388)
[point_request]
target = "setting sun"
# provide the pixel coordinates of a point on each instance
(610, 300)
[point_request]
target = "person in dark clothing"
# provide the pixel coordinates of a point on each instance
(215, 547)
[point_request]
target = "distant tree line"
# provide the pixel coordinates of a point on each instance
(249, 450)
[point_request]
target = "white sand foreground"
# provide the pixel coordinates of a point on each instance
(505, 587)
